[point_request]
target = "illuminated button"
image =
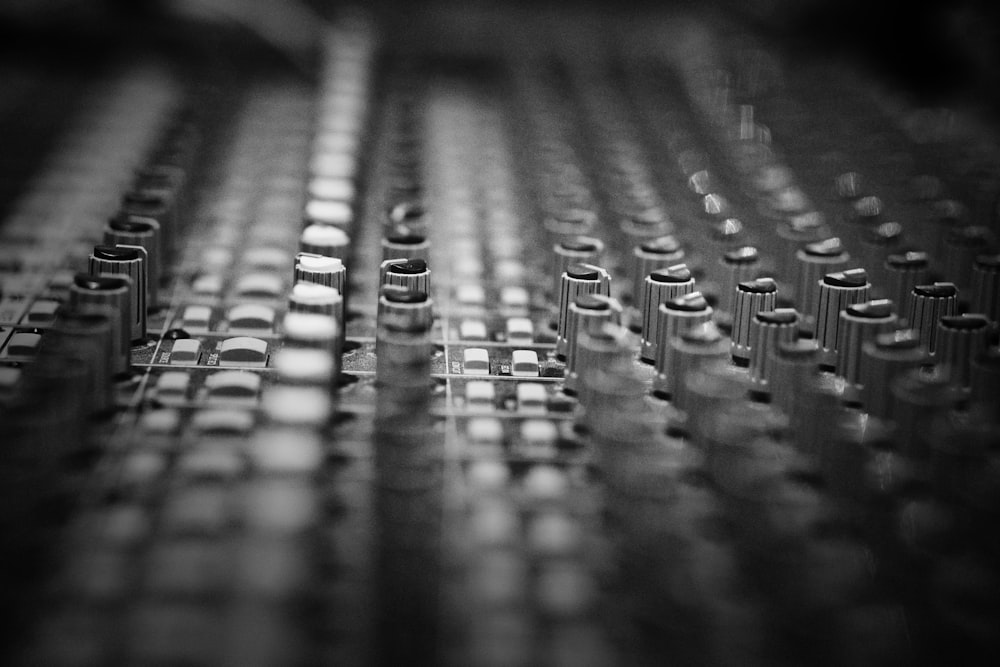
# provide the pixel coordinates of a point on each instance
(274, 259)
(285, 450)
(304, 365)
(261, 285)
(520, 330)
(304, 406)
(524, 363)
(484, 431)
(233, 385)
(42, 311)
(472, 330)
(514, 297)
(329, 212)
(531, 397)
(470, 295)
(23, 344)
(479, 394)
(223, 421)
(209, 284)
(243, 351)
(196, 318)
(172, 386)
(476, 361)
(251, 318)
(185, 351)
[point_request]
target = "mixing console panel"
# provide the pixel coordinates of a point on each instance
(498, 340)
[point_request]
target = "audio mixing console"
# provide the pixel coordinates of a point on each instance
(497, 338)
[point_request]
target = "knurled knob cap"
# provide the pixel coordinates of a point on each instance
(111, 296)
(650, 255)
(145, 233)
(812, 262)
(574, 250)
(928, 304)
(660, 286)
(837, 291)
(884, 358)
(768, 329)
(859, 324)
(577, 280)
(588, 312)
(961, 338)
(128, 262)
(752, 297)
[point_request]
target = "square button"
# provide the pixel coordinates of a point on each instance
(185, 351)
(520, 330)
(524, 363)
(243, 351)
(531, 397)
(23, 344)
(472, 330)
(476, 361)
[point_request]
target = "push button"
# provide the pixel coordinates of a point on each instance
(251, 318)
(185, 351)
(243, 351)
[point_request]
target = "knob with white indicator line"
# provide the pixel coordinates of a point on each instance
(884, 358)
(812, 262)
(650, 255)
(320, 269)
(405, 244)
(986, 287)
(903, 272)
(961, 338)
(111, 296)
(769, 329)
(859, 324)
(837, 291)
(736, 266)
(928, 304)
(411, 274)
(752, 297)
(128, 262)
(574, 250)
(676, 316)
(325, 240)
(587, 313)
(660, 286)
(577, 280)
(145, 233)
(689, 350)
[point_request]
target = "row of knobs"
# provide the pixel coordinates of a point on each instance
(865, 342)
